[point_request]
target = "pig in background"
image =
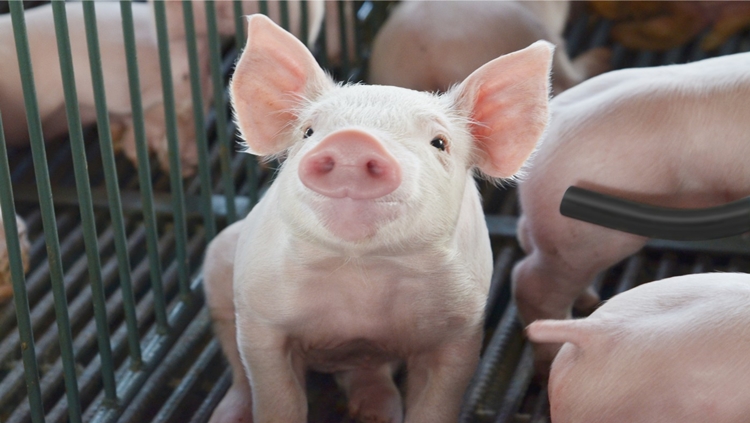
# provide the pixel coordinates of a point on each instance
(369, 252)
(6, 288)
(674, 350)
(671, 136)
(48, 83)
(431, 45)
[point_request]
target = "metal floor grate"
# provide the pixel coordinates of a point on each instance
(192, 376)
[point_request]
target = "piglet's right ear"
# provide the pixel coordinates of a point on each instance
(274, 76)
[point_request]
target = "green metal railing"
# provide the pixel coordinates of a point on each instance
(116, 250)
(48, 212)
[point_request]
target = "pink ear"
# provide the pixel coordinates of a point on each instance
(507, 100)
(275, 74)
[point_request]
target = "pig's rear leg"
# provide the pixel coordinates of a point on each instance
(218, 271)
(373, 396)
(563, 257)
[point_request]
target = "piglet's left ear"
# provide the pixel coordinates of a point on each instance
(507, 100)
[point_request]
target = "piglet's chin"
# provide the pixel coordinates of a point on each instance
(356, 220)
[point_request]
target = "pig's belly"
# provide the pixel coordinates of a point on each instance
(356, 353)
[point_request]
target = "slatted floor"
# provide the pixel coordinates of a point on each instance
(192, 376)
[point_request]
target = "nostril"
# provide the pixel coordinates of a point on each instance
(324, 164)
(374, 168)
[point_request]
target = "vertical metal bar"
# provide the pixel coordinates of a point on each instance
(48, 212)
(264, 7)
(175, 174)
(221, 112)
(111, 180)
(83, 187)
(204, 170)
(239, 27)
(304, 25)
(358, 44)
(284, 10)
(144, 171)
(345, 65)
(251, 165)
(23, 316)
(322, 40)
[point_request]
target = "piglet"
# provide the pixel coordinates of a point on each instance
(6, 289)
(675, 350)
(369, 252)
(671, 136)
(431, 45)
(48, 80)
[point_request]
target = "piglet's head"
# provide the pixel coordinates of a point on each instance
(378, 166)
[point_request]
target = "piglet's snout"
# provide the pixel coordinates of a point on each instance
(350, 163)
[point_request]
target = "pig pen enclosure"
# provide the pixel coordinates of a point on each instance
(109, 322)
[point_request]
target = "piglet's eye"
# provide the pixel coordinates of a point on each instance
(308, 132)
(438, 143)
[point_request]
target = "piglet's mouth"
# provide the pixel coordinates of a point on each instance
(354, 219)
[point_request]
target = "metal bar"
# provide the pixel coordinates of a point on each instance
(144, 172)
(79, 309)
(83, 187)
(345, 61)
(187, 344)
(240, 40)
(629, 276)
(188, 382)
(45, 203)
(131, 201)
(495, 370)
(111, 180)
(84, 342)
(157, 346)
(540, 410)
(304, 25)
(43, 311)
(500, 284)
(146, 308)
(212, 399)
(28, 351)
(284, 11)
(204, 170)
(239, 26)
(264, 7)
(517, 386)
(178, 196)
(322, 40)
(219, 106)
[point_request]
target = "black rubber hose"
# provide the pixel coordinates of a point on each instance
(656, 222)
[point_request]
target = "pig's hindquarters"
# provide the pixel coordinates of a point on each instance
(645, 136)
(670, 351)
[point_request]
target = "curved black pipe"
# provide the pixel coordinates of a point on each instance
(656, 222)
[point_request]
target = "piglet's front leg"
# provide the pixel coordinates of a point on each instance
(437, 380)
(276, 381)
